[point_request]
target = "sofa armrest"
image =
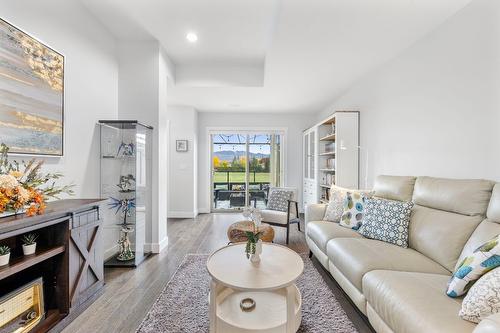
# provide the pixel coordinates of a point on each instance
(315, 212)
(490, 324)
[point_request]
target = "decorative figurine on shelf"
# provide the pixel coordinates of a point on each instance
(126, 149)
(126, 183)
(253, 247)
(123, 205)
(126, 252)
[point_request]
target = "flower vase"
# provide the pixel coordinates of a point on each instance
(255, 258)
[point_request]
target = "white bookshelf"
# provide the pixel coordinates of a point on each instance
(335, 156)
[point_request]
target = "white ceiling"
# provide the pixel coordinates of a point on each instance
(272, 55)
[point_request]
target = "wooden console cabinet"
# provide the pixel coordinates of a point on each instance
(69, 258)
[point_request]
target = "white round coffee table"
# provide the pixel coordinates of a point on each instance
(270, 283)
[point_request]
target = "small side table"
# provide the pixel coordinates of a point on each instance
(270, 283)
(236, 232)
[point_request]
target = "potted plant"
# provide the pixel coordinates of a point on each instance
(29, 243)
(4, 255)
(253, 247)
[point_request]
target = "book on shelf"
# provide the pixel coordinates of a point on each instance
(330, 147)
(330, 163)
(330, 179)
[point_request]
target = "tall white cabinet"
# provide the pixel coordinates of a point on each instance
(331, 155)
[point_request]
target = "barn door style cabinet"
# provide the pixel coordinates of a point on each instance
(330, 156)
(65, 274)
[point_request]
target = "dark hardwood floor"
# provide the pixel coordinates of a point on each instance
(129, 293)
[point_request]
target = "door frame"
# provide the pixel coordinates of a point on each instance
(283, 131)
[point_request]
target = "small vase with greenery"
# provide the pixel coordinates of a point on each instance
(4, 255)
(253, 248)
(29, 243)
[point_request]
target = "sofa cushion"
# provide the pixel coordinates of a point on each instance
(414, 302)
(387, 220)
(356, 256)
(475, 265)
(461, 196)
(493, 212)
(274, 216)
(440, 235)
(394, 187)
(320, 232)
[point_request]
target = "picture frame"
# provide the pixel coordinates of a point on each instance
(181, 146)
(32, 105)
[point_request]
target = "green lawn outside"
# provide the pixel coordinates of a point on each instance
(239, 177)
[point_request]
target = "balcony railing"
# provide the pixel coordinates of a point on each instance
(229, 189)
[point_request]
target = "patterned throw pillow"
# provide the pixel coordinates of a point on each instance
(387, 220)
(482, 260)
(483, 299)
(278, 200)
(335, 206)
(353, 210)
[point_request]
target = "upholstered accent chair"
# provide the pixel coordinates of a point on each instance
(284, 217)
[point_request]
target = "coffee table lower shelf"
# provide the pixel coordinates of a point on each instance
(268, 316)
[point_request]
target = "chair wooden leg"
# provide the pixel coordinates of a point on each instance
(287, 233)
(298, 225)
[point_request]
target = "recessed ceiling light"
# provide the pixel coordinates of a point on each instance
(192, 37)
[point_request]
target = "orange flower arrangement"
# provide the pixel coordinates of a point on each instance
(29, 188)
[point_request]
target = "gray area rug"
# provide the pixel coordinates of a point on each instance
(183, 304)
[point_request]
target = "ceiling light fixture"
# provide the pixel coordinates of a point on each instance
(192, 37)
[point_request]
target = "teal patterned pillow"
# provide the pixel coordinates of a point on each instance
(353, 210)
(482, 260)
(387, 221)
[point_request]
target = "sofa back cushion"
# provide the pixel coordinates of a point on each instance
(493, 212)
(487, 229)
(440, 235)
(462, 196)
(394, 187)
(445, 215)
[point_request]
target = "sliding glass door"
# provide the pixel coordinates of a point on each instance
(244, 166)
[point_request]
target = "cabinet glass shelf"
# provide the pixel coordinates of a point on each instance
(125, 151)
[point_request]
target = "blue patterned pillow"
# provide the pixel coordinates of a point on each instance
(482, 260)
(387, 220)
(353, 210)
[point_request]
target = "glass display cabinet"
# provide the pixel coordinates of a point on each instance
(125, 151)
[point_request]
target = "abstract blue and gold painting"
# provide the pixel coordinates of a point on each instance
(31, 94)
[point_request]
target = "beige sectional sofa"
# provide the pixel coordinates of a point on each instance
(404, 290)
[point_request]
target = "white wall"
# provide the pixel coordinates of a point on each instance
(144, 69)
(183, 168)
(91, 81)
(435, 109)
(294, 123)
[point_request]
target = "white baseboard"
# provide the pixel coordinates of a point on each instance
(111, 252)
(179, 214)
(203, 210)
(156, 247)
